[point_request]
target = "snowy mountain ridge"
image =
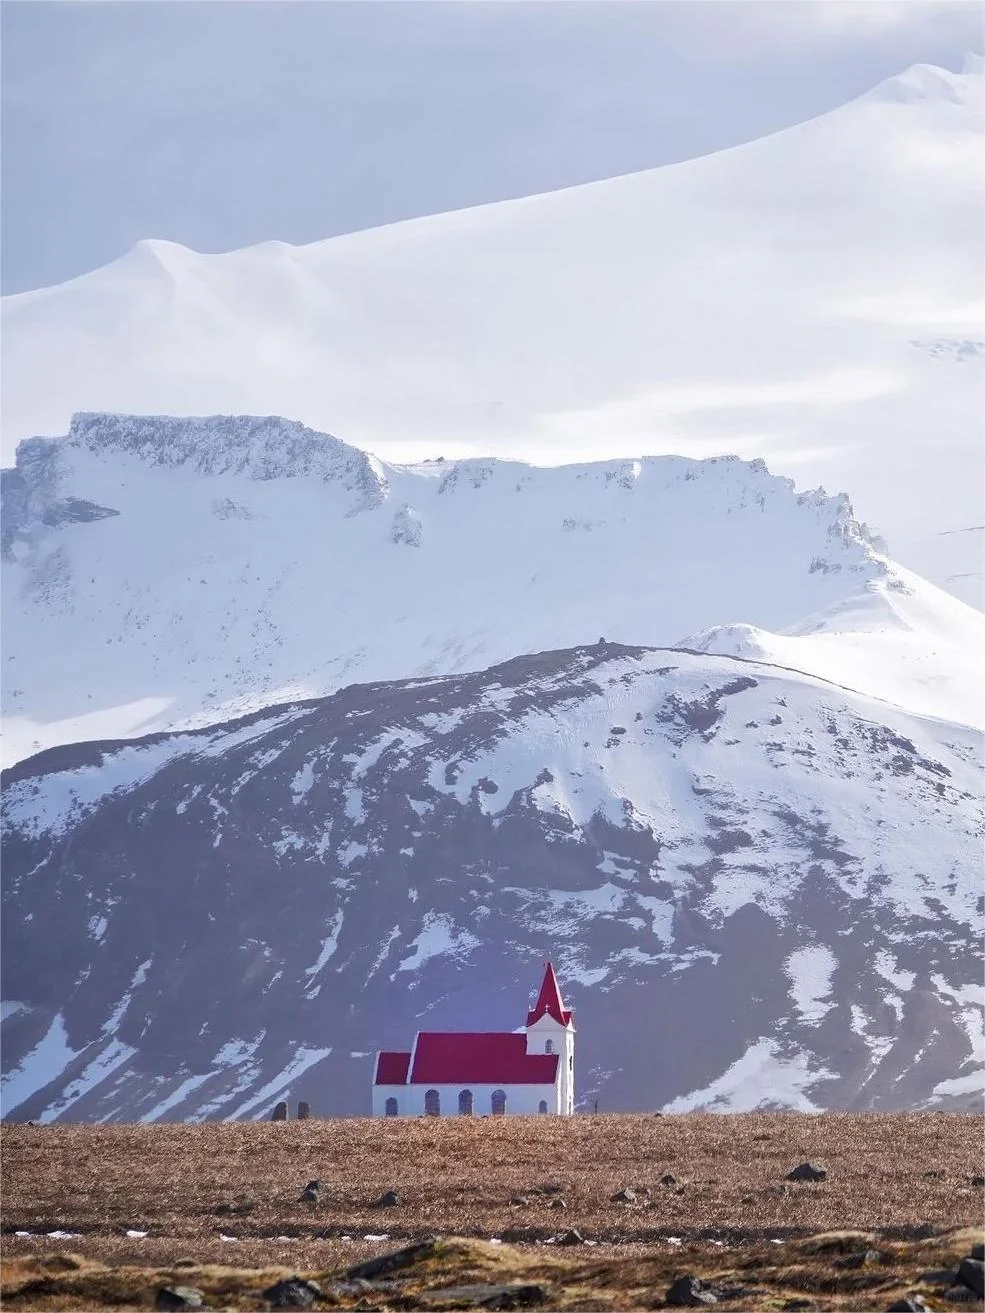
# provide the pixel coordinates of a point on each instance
(164, 572)
(811, 298)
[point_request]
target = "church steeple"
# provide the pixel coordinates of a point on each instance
(549, 1002)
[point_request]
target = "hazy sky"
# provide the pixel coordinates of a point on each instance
(217, 123)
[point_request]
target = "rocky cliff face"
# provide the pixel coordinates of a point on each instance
(759, 889)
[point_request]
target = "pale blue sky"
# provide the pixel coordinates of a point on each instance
(218, 123)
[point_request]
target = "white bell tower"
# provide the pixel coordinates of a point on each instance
(551, 1029)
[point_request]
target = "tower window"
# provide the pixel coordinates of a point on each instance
(391, 1107)
(549, 1046)
(432, 1103)
(542, 1106)
(498, 1102)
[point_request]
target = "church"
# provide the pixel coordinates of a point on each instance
(473, 1073)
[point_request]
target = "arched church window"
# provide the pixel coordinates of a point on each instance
(465, 1103)
(549, 1046)
(542, 1106)
(432, 1103)
(391, 1107)
(498, 1102)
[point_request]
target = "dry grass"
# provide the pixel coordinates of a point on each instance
(749, 1277)
(900, 1179)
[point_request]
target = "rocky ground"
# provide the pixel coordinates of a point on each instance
(587, 1213)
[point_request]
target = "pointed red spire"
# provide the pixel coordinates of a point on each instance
(549, 1001)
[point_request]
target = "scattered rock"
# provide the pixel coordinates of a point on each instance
(388, 1199)
(311, 1193)
(627, 1195)
(557, 1203)
(279, 1113)
(394, 1260)
(185, 1262)
(912, 1304)
(668, 1179)
(571, 1238)
(690, 1292)
(971, 1273)
(520, 1201)
(978, 1252)
(807, 1172)
(295, 1292)
(485, 1296)
(549, 1187)
(960, 1295)
(977, 1181)
(171, 1297)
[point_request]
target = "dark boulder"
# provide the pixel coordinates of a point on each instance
(690, 1292)
(807, 1172)
(627, 1195)
(971, 1273)
(911, 1304)
(174, 1297)
(571, 1238)
(864, 1258)
(394, 1260)
(295, 1292)
(388, 1199)
(939, 1276)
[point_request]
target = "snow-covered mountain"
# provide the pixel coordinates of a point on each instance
(758, 888)
(813, 298)
(166, 572)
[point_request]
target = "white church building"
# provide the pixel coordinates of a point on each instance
(475, 1073)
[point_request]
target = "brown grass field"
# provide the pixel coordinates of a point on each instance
(905, 1186)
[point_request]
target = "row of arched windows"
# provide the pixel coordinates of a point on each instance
(432, 1104)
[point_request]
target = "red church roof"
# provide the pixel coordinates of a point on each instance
(470, 1058)
(549, 1001)
(391, 1068)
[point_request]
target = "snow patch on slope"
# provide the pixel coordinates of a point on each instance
(761, 1078)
